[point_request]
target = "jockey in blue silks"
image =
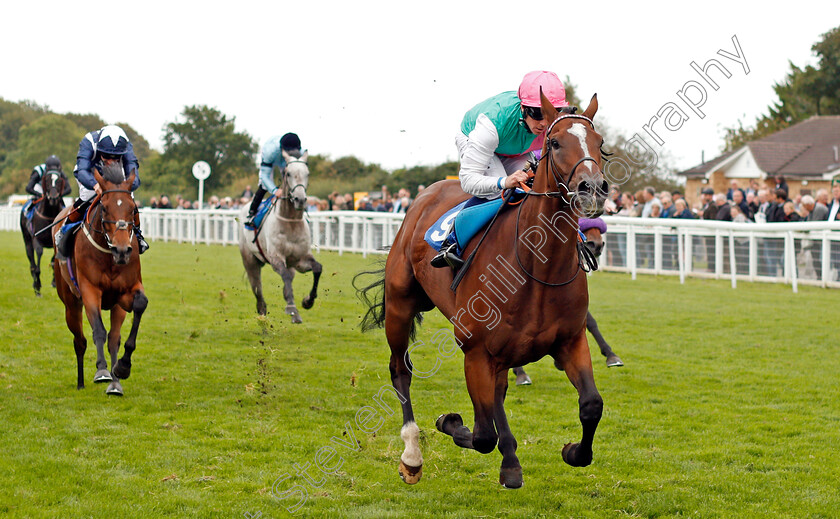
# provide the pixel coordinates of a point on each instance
(496, 140)
(271, 156)
(111, 143)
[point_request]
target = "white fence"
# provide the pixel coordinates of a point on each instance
(794, 253)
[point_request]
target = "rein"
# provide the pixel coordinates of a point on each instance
(585, 261)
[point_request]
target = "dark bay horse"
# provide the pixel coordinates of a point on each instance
(522, 298)
(595, 243)
(283, 240)
(104, 274)
(54, 186)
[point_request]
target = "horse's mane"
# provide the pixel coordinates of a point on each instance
(295, 153)
(113, 172)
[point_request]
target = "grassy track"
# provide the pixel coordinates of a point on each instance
(727, 407)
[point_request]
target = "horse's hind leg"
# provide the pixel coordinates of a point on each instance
(606, 351)
(253, 268)
(522, 378)
(577, 364)
(305, 265)
(510, 475)
(399, 322)
(73, 317)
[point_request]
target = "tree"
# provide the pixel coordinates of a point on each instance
(209, 135)
(50, 134)
(804, 92)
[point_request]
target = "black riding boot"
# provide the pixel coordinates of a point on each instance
(447, 256)
(63, 238)
(255, 205)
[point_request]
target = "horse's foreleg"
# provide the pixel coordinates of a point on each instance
(510, 475)
(398, 323)
(117, 317)
(92, 297)
(139, 302)
(253, 268)
(577, 364)
(288, 276)
(481, 384)
(34, 267)
(306, 265)
(606, 351)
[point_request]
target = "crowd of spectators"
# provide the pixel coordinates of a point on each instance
(379, 201)
(753, 204)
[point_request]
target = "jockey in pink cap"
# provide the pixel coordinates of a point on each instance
(496, 140)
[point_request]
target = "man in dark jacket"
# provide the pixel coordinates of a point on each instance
(724, 212)
(776, 212)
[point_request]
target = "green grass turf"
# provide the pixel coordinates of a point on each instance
(727, 405)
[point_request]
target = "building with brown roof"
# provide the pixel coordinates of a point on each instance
(807, 154)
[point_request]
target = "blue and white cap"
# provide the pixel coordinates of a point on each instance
(112, 140)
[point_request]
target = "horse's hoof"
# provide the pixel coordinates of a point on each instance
(449, 421)
(511, 477)
(114, 389)
(307, 303)
(523, 380)
(613, 362)
(293, 311)
(122, 370)
(37, 294)
(410, 475)
(102, 375)
(572, 456)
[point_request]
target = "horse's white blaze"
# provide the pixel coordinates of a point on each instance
(579, 131)
(119, 202)
(411, 456)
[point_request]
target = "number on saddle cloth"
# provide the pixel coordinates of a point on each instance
(265, 205)
(468, 217)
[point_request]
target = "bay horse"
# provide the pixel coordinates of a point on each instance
(595, 243)
(282, 240)
(54, 186)
(521, 299)
(104, 274)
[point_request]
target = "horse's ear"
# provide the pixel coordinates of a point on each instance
(99, 178)
(286, 156)
(130, 180)
(592, 108)
(305, 156)
(548, 110)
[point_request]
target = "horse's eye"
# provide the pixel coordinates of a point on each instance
(554, 144)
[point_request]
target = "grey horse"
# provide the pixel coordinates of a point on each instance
(282, 240)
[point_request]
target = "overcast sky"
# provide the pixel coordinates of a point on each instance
(389, 81)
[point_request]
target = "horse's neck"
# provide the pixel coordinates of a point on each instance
(286, 210)
(548, 229)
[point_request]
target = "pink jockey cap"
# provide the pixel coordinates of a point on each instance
(552, 87)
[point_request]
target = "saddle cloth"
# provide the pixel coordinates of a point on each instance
(466, 220)
(265, 205)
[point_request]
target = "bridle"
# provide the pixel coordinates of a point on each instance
(121, 225)
(586, 261)
(287, 191)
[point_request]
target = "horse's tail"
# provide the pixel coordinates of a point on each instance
(373, 296)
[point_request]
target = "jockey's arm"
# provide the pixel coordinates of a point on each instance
(481, 145)
(130, 163)
(34, 178)
(84, 163)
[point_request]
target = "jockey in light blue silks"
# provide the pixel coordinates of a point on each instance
(272, 155)
(496, 140)
(109, 143)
